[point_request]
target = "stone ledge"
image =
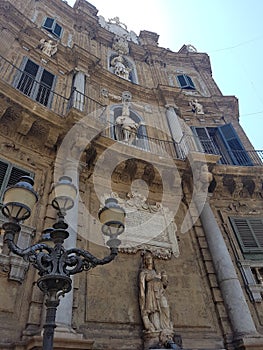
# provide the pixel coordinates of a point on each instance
(35, 343)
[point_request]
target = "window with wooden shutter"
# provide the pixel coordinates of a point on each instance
(10, 174)
(185, 82)
(249, 233)
(223, 140)
(53, 27)
(233, 145)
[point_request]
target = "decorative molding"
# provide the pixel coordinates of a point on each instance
(161, 241)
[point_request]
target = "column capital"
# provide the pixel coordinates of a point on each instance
(171, 105)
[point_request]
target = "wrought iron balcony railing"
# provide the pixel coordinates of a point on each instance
(42, 93)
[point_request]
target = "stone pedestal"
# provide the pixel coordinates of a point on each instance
(151, 340)
(162, 340)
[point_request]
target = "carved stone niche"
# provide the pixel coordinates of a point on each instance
(148, 227)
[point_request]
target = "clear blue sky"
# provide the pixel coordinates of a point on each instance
(230, 31)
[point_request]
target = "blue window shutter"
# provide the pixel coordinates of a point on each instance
(233, 145)
(48, 23)
(190, 82)
(185, 82)
(57, 30)
(182, 81)
(53, 27)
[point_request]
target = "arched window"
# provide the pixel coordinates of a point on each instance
(123, 67)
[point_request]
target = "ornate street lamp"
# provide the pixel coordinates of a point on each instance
(55, 264)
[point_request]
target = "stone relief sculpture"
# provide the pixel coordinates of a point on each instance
(119, 67)
(196, 107)
(191, 48)
(48, 47)
(120, 44)
(125, 127)
(116, 20)
(161, 239)
(203, 180)
(114, 25)
(154, 306)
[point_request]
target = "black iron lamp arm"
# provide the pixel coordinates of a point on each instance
(27, 252)
(11, 229)
(55, 260)
(77, 260)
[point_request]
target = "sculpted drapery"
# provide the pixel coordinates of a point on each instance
(153, 303)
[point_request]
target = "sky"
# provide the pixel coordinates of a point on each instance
(229, 31)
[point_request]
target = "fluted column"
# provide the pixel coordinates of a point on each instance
(174, 123)
(176, 131)
(79, 90)
(233, 296)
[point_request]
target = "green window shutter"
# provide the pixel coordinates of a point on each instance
(10, 174)
(15, 175)
(249, 233)
(3, 172)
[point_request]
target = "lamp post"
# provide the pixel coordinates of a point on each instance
(55, 264)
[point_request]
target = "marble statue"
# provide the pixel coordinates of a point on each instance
(196, 107)
(48, 47)
(119, 67)
(203, 179)
(125, 127)
(154, 307)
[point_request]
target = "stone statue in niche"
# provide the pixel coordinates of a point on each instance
(196, 107)
(203, 179)
(125, 127)
(154, 307)
(119, 67)
(48, 47)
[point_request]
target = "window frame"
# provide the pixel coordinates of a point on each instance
(189, 84)
(221, 144)
(37, 82)
(51, 29)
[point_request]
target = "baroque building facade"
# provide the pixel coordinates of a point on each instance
(83, 96)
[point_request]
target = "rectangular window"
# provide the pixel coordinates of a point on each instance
(249, 233)
(35, 82)
(53, 27)
(185, 82)
(10, 174)
(223, 140)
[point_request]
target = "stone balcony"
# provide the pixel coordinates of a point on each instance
(49, 105)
